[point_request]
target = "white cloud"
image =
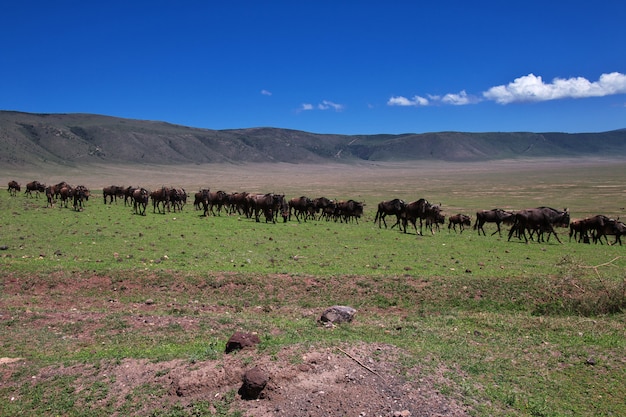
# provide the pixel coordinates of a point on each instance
(531, 88)
(325, 105)
(266, 92)
(404, 102)
(458, 99)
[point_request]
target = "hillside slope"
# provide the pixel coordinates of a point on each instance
(35, 139)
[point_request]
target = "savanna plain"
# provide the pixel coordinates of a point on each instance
(107, 313)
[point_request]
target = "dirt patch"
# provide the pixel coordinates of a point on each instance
(359, 380)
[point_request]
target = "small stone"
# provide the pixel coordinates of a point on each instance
(254, 380)
(149, 301)
(338, 314)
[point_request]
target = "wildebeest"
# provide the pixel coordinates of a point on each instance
(324, 206)
(81, 194)
(218, 199)
(140, 198)
(422, 210)
(177, 198)
(198, 198)
(49, 196)
(581, 227)
(239, 203)
(540, 220)
(301, 206)
(497, 216)
(66, 194)
(267, 204)
(610, 227)
(461, 219)
(349, 210)
(56, 188)
(112, 192)
(160, 198)
(393, 207)
(14, 188)
(35, 186)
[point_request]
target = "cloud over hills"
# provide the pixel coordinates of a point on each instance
(528, 88)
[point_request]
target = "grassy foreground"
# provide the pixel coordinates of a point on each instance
(523, 329)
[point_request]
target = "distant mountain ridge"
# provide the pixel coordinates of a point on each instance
(34, 139)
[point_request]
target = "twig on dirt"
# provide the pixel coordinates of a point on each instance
(361, 363)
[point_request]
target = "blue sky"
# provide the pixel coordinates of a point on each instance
(349, 67)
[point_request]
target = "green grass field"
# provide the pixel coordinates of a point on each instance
(525, 329)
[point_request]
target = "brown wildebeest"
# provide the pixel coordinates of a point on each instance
(497, 216)
(56, 188)
(324, 206)
(393, 207)
(177, 198)
(49, 196)
(160, 198)
(239, 203)
(140, 200)
(461, 219)
(578, 229)
(128, 195)
(66, 193)
(268, 204)
(81, 194)
(422, 210)
(611, 227)
(218, 199)
(540, 220)
(14, 188)
(112, 192)
(35, 186)
(349, 210)
(199, 197)
(301, 206)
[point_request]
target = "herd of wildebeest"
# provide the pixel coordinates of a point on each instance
(534, 223)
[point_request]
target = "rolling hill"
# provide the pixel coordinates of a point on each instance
(76, 139)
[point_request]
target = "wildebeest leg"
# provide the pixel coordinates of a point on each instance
(499, 232)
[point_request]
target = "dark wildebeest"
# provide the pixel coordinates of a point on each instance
(112, 192)
(160, 198)
(267, 204)
(65, 194)
(610, 227)
(35, 186)
(393, 207)
(422, 210)
(56, 188)
(497, 216)
(541, 220)
(81, 194)
(301, 206)
(140, 200)
(580, 228)
(239, 203)
(198, 198)
(178, 198)
(218, 199)
(349, 210)
(128, 195)
(324, 206)
(49, 196)
(14, 188)
(461, 219)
